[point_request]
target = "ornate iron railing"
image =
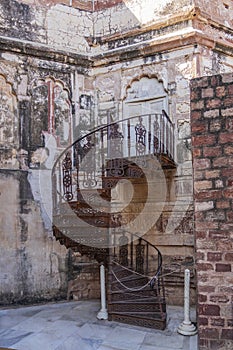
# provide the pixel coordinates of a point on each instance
(136, 292)
(136, 254)
(118, 150)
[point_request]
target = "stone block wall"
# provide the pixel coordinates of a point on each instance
(83, 278)
(212, 141)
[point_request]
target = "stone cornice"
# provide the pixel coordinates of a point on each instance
(159, 45)
(172, 34)
(167, 21)
(43, 51)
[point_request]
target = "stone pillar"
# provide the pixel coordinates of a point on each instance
(102, 314)
(186, 327)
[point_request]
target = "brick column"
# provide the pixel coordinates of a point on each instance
(212, 142)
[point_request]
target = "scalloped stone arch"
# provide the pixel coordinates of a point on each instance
(138, 78)
(145, 94)
(41, 81)
(50, 112)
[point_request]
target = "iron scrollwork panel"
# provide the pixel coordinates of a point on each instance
(115, 151)
(87, 162)
(140, 133)
(123, 250)
(140, 251)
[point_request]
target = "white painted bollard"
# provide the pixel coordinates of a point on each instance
(103, 313)
(187, 327)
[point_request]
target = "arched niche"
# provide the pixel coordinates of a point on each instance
(145, 96)
(50, 113)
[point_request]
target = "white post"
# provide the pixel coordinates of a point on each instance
(186, 327)
(102, 314)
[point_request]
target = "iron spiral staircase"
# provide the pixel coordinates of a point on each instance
(105, 203)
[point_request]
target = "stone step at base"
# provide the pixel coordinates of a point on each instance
(136, 306)
(121, 295)
(149, 320)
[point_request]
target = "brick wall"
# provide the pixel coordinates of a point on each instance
(86, 5)
(212, 141)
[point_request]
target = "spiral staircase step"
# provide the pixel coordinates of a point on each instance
(146, 319)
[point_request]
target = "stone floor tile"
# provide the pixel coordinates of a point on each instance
(78, 321)
(9, 321)
(124, 338)
(33, 324)
(174, 341)
(51, 314)
(94, 331)
(41, 341)
(68, 327)
(9, 337)
(154, 347)
(74, 326)
(109, 347)
(120, 346)
(172, 325)
(193, 342)
(75, 342)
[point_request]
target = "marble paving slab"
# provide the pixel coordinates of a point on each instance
(9, 337)
(74, 326)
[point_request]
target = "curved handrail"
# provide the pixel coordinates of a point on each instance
(155, 277)
(102, 127)
(89, 133)
(167, 116)
(148, 134)
(158, 251)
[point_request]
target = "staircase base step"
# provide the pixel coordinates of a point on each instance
(137, 307)
(147, 320)
(122, 295)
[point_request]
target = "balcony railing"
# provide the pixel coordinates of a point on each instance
(108, 153)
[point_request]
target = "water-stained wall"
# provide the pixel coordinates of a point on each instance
(36, 125)
(33, 266)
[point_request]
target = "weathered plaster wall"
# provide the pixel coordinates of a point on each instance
(87, 5)
(43, 25)
(33, 266)
(84, 278)
(71, 32)
(79, 29)
(135, 14)
(217, 10)
(212, 62)
(19, 20)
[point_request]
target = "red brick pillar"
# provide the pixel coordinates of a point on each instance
(212, 142)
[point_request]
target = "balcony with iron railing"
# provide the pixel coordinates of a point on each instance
(111, 152)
